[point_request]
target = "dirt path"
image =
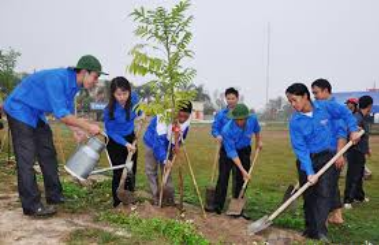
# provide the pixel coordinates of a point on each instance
(16, 228)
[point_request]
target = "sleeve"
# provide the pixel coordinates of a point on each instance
(109, 126)
(338, 111)
(257, 127)
(216, 125)
(300, 149)
(229, 143)
(340, 129)
(56, 96)
(135, 101)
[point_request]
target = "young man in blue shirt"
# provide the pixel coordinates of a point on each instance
(157, 139)
(322, 90)
(311, 136)
(237, 136)
(46, 92)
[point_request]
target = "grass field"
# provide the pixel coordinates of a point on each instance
(274, 171)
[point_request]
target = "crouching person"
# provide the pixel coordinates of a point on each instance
(235, 154)
(157, 140)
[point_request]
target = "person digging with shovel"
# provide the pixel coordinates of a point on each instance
(235, 153)
(46, 92)
(311, 136)
(322, 90)
(119, 117)
(157, 139)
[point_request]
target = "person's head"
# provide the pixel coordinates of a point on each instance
(239, 114)
(298, 96)
(365, 104)
(231, 96)
(185, 111)
(88, 71)
(120, 92)
(321, 89)
(352, 104)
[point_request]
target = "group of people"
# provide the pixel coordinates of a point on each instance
(318, 129)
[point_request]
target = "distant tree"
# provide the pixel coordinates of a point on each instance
(8, 77)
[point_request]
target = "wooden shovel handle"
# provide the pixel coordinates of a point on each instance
(216, 158)
(242, 192)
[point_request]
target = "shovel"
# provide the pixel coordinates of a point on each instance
(166, 174)
(289, 192)
(211, 189)
(236, 205)
(126, 196)
(266, 221)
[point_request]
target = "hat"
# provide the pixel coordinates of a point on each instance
(352, 101)
(90, 63)
(239, 112)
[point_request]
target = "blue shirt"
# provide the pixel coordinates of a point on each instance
(157, 137)
(339, 130)
(47, 91)
(221, 119)
(235, 137)
(119, 127)
(313, 134)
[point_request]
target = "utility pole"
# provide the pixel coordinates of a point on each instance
(268, 62)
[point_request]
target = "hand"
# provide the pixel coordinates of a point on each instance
(340, 163)
(258, 145)
(130, 147)
(312, 179)
(369, 153)
(219, 139)
(93, 129)
(79, 135)
(245, 175)
(354, 136)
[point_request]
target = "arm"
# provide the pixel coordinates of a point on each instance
(337, 111)
(216, 125)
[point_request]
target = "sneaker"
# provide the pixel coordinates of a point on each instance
(60, 200)
(323, 238)
(42, 212)
(347, 206)
(364, 200)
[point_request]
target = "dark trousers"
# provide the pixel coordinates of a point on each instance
(32, 144)
(318, 198)
(354, 179)
(118, 155)
(225, 166)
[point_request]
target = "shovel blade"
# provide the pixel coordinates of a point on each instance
(209, 198)
(125, 196)
(236, 206)
(288, 193)
(259, 225)
(129, 166)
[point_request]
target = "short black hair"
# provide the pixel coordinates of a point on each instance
(365, 101)
(298, 89)
(186, 106)
(323, 84)
(231, 90)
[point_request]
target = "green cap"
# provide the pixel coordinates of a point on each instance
(90, 63)
(239, 112)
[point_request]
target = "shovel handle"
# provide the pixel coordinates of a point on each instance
(308, 184)
(216, 158)
(242, 192)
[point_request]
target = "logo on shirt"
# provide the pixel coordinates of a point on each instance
(324, 122)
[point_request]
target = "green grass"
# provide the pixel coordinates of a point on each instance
(274, 171)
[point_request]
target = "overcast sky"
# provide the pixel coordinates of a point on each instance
(333, 39)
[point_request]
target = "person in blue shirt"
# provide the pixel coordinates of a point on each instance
(157, 139)
(46, 92)
(311, 136)
(237, 136)
(322, 90)
(119, 117)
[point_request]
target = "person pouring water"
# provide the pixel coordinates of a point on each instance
(44, 92)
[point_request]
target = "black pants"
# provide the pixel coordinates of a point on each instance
(225, 166)
(32, 144)
(318, 198)
(118, 155)
(354, 179)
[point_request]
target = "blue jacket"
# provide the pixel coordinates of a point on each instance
(220, 120)
(313, 134)
(157, 137)
(47, 91)
(339, 130)
(119, 127)
(236, 138)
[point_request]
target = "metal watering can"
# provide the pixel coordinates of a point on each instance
(83, 162)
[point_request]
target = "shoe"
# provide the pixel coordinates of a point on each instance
(245, 216)
(116, 204)
(60, 200)
(336, 217)
(42, 212)
(347, 206)
(218, 211)
(364, 200)
(210, 209)
(323, 238)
